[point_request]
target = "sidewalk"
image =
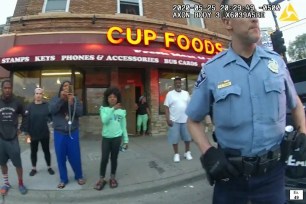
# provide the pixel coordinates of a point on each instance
(147, 166)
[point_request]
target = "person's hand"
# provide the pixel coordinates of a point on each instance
(169, 123)
(300, 144)
(216, 165)
(28, 138)
(125, 146)
(64, 95)
(117, 106)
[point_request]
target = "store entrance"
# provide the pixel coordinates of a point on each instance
(131, 85)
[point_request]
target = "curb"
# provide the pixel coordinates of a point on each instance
(88, 195)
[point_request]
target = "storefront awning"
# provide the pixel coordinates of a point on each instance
(98, 52)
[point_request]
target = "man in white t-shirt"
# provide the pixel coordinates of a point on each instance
(176, 103)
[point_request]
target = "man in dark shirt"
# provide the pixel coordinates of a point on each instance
(10, 108)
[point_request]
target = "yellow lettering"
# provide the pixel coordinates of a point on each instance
(110, 35)
(168, 37)
(218, 47)
(129, 36)
(149, 35)
(209, 47)
(180, 44)
(197, 45)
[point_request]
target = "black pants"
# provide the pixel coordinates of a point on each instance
(45, 147)
(109, 146)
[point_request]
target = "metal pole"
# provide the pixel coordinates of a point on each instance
(273, 13)
(276, 24)
(274, 16)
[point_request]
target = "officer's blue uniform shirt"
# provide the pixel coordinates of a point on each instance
(249, 102)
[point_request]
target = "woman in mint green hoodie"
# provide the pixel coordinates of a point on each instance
(113, 119)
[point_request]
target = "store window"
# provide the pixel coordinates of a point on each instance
(78, 85)
(166, 84)
(56, 6)
(191, 80)
(24, 84)
(51, 81)
(133, 7)
(194, 20)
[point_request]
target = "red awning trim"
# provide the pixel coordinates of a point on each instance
(98, 52)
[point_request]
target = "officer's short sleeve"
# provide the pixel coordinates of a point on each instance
(199, 104)
(291, 94)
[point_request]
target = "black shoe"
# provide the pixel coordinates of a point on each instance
(50, 170)
(33, 172)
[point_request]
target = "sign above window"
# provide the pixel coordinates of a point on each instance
(147, 36)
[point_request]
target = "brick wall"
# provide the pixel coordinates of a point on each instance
(21, 8)
(93, 6)
(90, 126)
(160, 10)
(158, 124)
(65, 22)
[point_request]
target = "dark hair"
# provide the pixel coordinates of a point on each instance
(61, 87)
(109, 91)
(6, 81)
(177, 79)
(224, 2)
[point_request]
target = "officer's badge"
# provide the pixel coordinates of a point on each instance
(224, 84)
(273, 66)
(201, 78)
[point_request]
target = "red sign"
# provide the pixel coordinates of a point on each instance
(98, 52)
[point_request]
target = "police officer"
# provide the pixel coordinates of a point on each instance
(249, 88)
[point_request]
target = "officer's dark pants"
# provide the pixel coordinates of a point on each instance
(266, 189)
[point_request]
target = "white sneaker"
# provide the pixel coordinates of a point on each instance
(187, 155)
(176, 158)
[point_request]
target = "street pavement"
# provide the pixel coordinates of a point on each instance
(146, 167)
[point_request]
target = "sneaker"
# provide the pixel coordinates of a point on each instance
(22, 189)
(187, 155)
(50, 170)
(176, 158)
(32, 172)
(4, 189)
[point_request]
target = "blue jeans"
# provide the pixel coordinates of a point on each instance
(178, 131)
(266, 189)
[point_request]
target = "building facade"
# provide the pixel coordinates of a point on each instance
(136, 45)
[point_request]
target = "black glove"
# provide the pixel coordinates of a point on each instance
(216, 165)
(300, 142)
